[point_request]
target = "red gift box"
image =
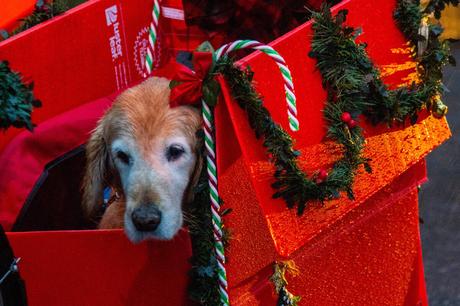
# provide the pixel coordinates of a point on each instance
(365, 251)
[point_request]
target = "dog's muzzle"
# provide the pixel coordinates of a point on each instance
(146, 218)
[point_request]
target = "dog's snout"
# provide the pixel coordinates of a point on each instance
(146, 218)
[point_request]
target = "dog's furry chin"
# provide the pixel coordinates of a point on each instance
(160, 233)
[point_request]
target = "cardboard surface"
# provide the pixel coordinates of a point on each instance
(86, 268)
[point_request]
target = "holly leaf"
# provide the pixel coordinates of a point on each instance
(226, 212)
(367, 167)
(205, 271)
(350, 194)
(211, 91)
(341, 17)
(4, 34)
(439, 56)
(436, 29)
(301, 209)
(357, 32)
(174, 83)
(335, 194)
(205, 47)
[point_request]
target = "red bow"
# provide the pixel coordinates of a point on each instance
(189, 88)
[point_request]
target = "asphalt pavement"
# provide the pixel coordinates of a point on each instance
(440, 204)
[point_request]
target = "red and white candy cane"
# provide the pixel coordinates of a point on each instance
(285, 72)
(208, 119)
(153, 33)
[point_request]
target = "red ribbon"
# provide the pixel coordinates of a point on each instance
(189, 88)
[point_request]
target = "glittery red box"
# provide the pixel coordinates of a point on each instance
(365, 251)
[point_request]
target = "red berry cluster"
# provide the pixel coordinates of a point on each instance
(346, 118)
(322, 176)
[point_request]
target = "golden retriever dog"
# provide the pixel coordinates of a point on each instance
(149, 154)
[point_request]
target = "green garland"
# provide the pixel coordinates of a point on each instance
(281, 268)
(203, 287)
(291, 183)
(409, 16)
(43, 11)
(16, 99)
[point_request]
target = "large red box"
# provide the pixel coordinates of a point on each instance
(363, 252)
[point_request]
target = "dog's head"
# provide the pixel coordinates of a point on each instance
(150, 153)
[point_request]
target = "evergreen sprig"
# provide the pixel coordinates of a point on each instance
(437, 6)
(44, 10)
(16, 99)
(352, 81)
(204, 285)
(409, 16)
(291, 183)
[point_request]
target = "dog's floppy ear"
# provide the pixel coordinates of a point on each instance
(195, 177)
(189, 193)
(97, 163)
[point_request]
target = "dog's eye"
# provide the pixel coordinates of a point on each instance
(174, 152)
(123, 157)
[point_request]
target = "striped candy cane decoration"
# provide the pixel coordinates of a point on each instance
(153, 30)
(285, 72)
(208, 119)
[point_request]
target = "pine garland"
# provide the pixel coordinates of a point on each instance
(354, 84)
(204, 285)
(409, 17)
(43, 11)
(291, 183)
(285, 298)
(16, 99)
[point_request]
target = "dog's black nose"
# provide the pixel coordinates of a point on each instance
(146, 218)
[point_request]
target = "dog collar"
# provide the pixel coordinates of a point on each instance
(110, 195)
